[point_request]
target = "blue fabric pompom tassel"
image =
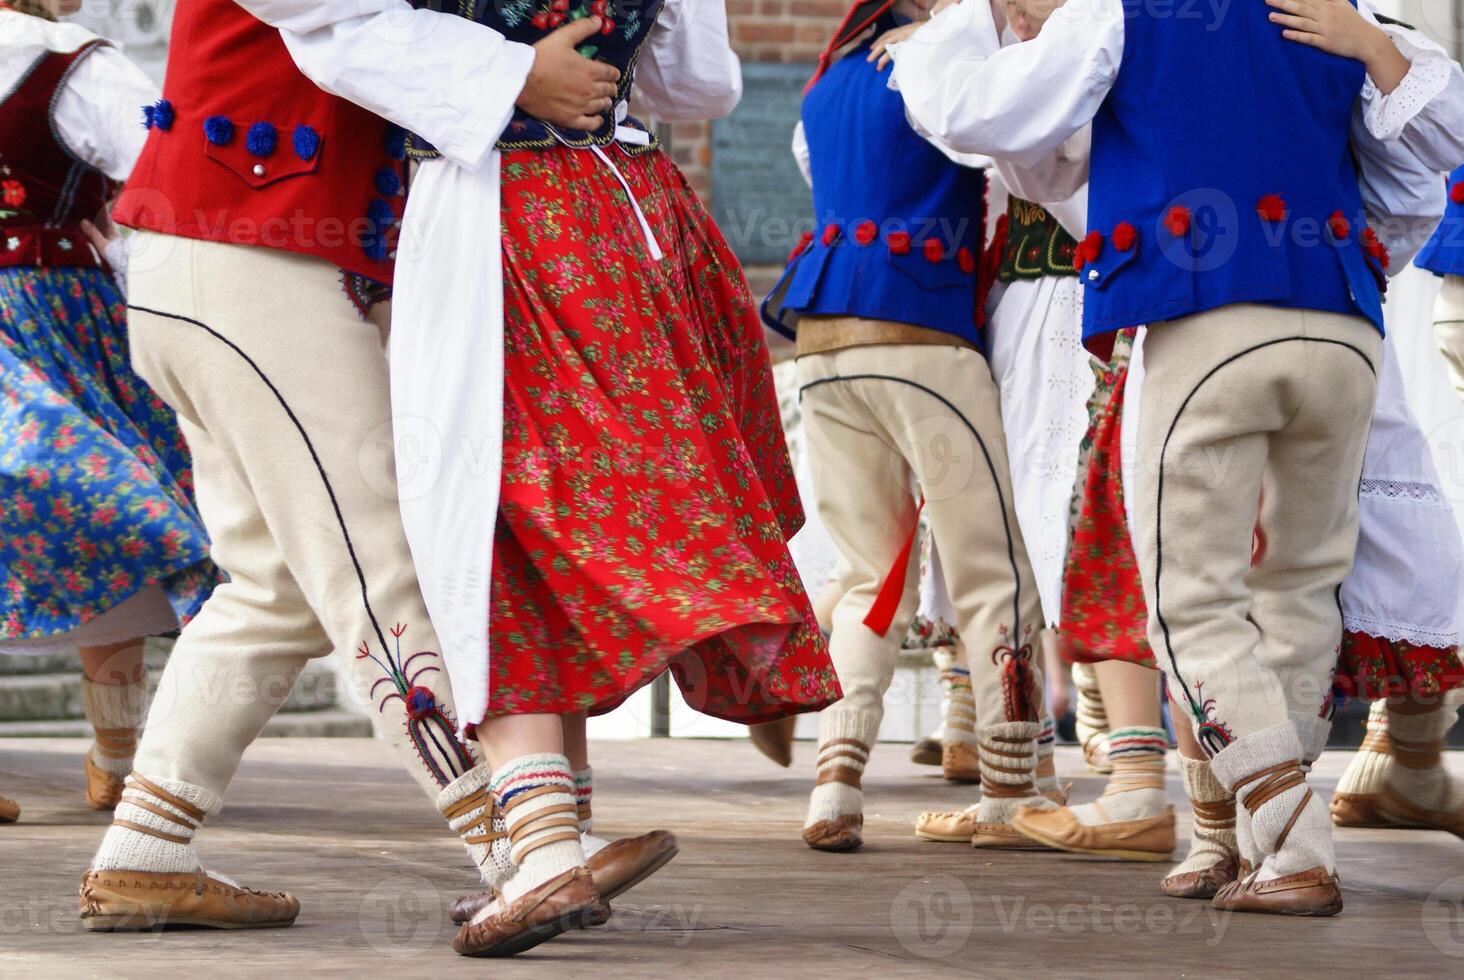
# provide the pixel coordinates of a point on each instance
(396, 142)
(374, 245)
(261, 139)
(160, 114)
(307, 142)
(381, 213)
(219, 130)
(388, 182)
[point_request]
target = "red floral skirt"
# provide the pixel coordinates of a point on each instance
(1373, 669)
(647, 494)
(1104, 614)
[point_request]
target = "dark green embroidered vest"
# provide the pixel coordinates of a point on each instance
(1036, 245)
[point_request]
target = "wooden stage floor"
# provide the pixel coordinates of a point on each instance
(332, 821)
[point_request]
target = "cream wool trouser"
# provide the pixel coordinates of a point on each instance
(1449, 328)
(1245, 407)
(281, 393)
(879, 419)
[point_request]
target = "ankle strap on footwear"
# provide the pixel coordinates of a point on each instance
(116, 743)
(1418, 755)
(1221, 813)
(1024, 751)
(190, 820)
(1271, 783)
(547, 825)
(480, 831)
(1376, 741)
(830, 770)
(584, 812)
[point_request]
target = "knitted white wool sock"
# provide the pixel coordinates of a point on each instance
(1045, 776)
(1008, 764)
(1418, 774)
(584, 791)
(1212, 837)
(1308, 844)
(960, 716)
(126, 849)
(1136, 788)
(1092, 717)
(1313, 732)
(464, 804)
(844, 740)
(1369, 768)
(535, 796)
(116, 713)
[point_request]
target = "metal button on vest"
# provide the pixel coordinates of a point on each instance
(64, 244)
(1092, 275)
(12, 243)
(259, 170)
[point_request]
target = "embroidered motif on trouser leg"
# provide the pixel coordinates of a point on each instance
(1238, 402)
(296, 487)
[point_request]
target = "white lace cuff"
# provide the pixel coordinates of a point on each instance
(1387, 115)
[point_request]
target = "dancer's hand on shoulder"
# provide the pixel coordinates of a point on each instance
(564, 88)
(880, 52)
(1339, 28)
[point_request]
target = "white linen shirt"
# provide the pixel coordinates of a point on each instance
(1021, 102)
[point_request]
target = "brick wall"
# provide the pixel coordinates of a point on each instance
(762, 31)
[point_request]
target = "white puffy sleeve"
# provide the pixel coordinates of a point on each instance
(688, 70)
(1425, 111)
(447, 78)
(99, 110)
(1020, 102)
(1403, 197)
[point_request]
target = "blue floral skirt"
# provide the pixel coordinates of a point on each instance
(96, 491)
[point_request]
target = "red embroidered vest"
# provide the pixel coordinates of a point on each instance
(45, 191)
(244, 149)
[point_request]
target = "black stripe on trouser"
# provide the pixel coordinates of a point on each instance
(320, 469)
(1191, 696)
(990, 467)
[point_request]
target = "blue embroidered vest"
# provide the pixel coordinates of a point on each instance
(898, 226)
(627, 25)
(1222, 174)
(1444, 253)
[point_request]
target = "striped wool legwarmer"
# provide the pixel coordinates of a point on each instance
(960, 707)
(1212, 836)
(1092, 717)
(1008, 771)
(153, 827)
(116, 713)
(535, 795)
(1136, 788)
(844, 741)
(467, 805)
(1418, 773)
(1288, 826)
(1046, 774)
(1369, 767)
(584, 791)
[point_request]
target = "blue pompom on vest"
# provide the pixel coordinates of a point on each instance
(626, 26)
(898, 226)
(1222, 174)
(1444, 253)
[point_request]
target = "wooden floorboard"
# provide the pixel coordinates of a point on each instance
(334, 822)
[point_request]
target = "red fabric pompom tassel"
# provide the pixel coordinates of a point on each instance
(1178, 220)
(1271, 208)
(1125, 236)
(1089, 249)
